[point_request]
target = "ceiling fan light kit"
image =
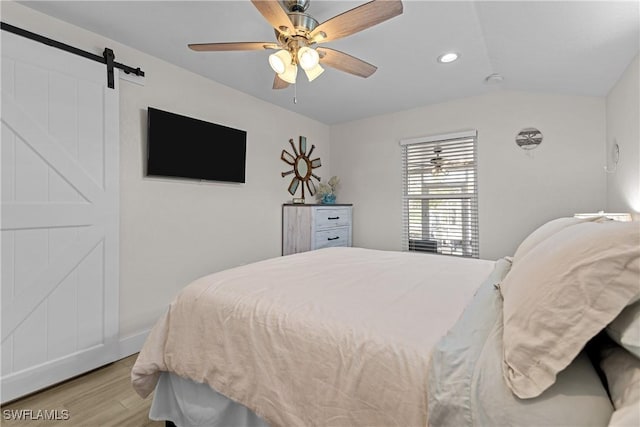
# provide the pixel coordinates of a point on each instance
(297, 32)
(314, 72)
(279, 60)
(290, 73)
(308, 58)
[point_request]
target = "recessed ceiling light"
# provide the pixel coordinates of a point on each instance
(448, 57)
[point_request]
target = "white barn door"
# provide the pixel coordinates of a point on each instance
(59, 171)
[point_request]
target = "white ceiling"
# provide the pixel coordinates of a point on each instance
(572, 47)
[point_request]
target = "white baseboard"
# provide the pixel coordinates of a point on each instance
(132, 344)
(29, 380)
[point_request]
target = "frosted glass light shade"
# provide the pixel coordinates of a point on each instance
(289, 74)
(314, 72)
(308, 58)
(279, 61)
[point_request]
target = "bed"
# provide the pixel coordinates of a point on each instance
(348, 337)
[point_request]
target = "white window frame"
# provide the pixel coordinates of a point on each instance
(457, 230)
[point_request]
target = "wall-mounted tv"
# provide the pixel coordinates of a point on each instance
(180, 146)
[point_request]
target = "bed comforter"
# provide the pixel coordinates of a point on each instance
(338, 336)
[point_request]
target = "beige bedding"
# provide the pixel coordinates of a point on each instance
(338, 336)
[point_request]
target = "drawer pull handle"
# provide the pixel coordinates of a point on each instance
(334, 217)
(333, 238)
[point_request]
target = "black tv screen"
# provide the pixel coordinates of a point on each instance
(180, 146)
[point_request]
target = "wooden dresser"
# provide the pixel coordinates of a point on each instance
(309, 227)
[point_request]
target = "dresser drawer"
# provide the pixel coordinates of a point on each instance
(332, 217)
(310, 227)
(334, 237)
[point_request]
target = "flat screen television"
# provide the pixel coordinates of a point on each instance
(180, 146)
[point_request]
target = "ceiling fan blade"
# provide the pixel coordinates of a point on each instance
(278, 83)
(275, 15)
(357, 19)
(224, 47)
(344, 62)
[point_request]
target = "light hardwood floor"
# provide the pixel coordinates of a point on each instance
(101, 398)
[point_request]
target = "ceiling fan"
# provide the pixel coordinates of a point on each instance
(438, 162)
(297, 33)
(454, 160)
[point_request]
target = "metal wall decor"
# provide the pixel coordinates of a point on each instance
(529, 138)
(614, 155)
(302, 167)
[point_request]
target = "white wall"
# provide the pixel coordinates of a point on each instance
(517, 193)
(623, 127)
(173, 231)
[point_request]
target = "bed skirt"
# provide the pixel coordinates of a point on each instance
(187, 403)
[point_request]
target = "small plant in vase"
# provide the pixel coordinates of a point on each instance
(327, 191)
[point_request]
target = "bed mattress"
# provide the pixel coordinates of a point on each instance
(338, 336)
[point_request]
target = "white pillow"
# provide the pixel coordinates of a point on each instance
(466, 386)
(623, 377)
(625, 329)
(545, 231)
(560, 294)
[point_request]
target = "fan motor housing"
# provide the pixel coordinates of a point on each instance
(296, 5)
(302, 22)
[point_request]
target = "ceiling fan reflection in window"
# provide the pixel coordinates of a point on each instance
(442, 163)
(437, 163)
(298, 33)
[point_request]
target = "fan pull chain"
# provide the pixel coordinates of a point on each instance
(295, 93)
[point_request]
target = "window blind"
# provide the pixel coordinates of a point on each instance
(440, 194)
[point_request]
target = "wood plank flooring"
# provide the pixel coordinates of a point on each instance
(101, 398)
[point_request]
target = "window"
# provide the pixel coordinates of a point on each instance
(440, 194)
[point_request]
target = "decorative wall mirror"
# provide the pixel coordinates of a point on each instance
(303, 167)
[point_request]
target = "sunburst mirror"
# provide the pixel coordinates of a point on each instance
(302, 167)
